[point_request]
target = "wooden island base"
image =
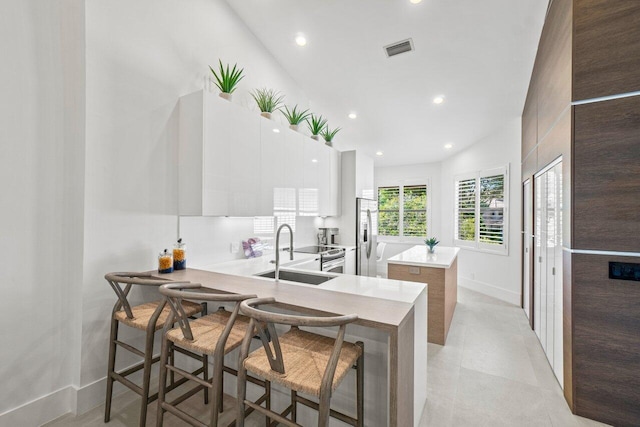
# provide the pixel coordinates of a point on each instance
(442, 279)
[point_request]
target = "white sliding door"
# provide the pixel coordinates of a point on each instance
(527, 242)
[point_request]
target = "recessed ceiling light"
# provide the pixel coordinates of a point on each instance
(301, 40)
(353, 115)
(438, 99)
(314, 160)
(415, 1)
(276, 131)
(379, 153)
(448, 146)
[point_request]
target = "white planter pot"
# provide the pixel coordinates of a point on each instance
(294, 127)
(266, 115)
(316, 137)
(226, 96)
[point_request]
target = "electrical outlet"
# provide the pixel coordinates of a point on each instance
(235, 247)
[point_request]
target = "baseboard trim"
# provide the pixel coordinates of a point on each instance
(41, 410)
(490, 290)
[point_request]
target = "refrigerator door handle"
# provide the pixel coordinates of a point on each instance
(369, 242)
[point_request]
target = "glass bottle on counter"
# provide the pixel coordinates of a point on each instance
(179, 255)
(165, 262)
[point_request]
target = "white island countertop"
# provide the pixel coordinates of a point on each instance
(419, 256)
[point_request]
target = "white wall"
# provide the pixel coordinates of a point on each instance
(141, 57)
(494, 275)
(41, 167)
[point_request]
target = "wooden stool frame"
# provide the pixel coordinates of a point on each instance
(264, 322)
(129, 279)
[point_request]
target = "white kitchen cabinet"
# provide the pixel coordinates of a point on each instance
(329, 181)
(350, 261)
(547, 301)
(233, 162)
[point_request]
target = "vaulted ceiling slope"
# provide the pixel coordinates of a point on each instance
(478, 54)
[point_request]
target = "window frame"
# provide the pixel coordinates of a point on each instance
(401, 184)
(476, 244)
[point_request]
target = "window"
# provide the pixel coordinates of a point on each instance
(402, 211)
(481, 210)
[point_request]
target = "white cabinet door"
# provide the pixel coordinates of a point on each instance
(558, 332)
(324, 180)
(308, 195)
(244, 162)
(215, 145)
(350, 261)
(272, 159)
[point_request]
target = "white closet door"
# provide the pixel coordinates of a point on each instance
(558, 359)
(550, 218)
(527, 241)
(537, 255)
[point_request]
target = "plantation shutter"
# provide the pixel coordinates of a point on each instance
(466, 209)
(415, 211)
(389, 211)
(492, 209)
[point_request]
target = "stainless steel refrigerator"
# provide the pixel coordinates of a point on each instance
(366, 236)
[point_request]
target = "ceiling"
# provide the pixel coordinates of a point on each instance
(478, 54)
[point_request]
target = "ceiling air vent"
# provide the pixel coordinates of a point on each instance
(399, 47)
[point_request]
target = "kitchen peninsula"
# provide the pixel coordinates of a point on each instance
(391, 322)
(440, 271)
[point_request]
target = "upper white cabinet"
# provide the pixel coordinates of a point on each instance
(233, 162)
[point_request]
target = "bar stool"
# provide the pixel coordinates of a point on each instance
(148, 317)
(215, 335)
(301, 361)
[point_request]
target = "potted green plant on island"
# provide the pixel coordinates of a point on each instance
(268, 101)
(316, 125)
(431, 242)
(295, 116)
(226, 79)
(329, 134)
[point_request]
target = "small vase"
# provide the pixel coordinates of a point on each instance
(329, 143)
(432, 249)
(266, 115)
(316, 137)
(294, 127)
(226, 96)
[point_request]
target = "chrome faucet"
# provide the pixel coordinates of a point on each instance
(278, 247)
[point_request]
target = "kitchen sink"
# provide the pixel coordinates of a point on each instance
(297, 276)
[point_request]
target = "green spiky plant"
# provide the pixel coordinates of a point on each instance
(316, 124)
(295, 116)
(431, 242)
(226, 79)
(268, 100)
(329, 134)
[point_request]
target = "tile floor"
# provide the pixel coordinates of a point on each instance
(492, 372)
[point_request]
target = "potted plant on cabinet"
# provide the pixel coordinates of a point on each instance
(329, 134)
(227, 80)
(431, 242)
(316, 125)
(295, 117)
(268, 101)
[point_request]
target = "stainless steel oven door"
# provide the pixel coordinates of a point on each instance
(333, 266)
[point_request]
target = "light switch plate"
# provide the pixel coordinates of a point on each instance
(235, 247)
(414, 270)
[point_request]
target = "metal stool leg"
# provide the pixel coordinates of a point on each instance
(112, 363)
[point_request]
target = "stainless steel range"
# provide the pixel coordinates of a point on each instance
(331, 258)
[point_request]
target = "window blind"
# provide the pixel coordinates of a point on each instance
(389, 211)
(414, 215)
(465, 225)
(492, 209)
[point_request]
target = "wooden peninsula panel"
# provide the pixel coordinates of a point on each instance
(442, 289)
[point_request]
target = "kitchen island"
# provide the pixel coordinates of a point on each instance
(391, 322)
(440, 271)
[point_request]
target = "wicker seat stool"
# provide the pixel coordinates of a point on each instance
(302, 361)
(213, 335)
(149, 317)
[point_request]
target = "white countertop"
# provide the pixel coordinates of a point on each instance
(393, 290)
(419, 256)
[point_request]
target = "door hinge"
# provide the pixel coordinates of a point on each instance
(553, 271)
